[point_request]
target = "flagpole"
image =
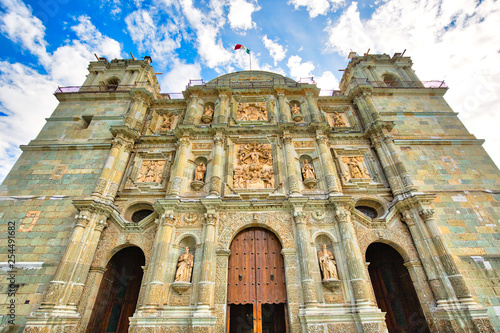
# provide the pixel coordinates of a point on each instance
(250, 60)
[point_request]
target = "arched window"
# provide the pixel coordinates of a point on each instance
(390, 80)
(112, 84)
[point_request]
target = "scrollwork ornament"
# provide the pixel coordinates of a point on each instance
(300, 217)
(218, 140)
(184, 141)
(341, 213)
(287, 140)
(322, 139)
(407, 218)
(211, 218)
(426, 213)
(101, 225)
(118, 143)
(176, 184)
(215, 184)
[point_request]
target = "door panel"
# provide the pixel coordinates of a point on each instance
(256, 276)
(394, 290)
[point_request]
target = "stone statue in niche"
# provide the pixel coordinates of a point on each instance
(184, 266)
(151, 171)
(327, 264)
(296, 115)
(355, 167)
(199, 173)
(207, 114)
(252, 111)
(167, 122)
(309, 175)
(254, 167)
(308, 170)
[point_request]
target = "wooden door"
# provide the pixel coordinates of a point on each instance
(394, 290)
(256, 293)
(118, 293)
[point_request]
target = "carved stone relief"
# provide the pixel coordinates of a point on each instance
(354, 167)
(338, 119)
(278, 222)
(166, 123)
(252, 111)
(151, 171)
(254, 166)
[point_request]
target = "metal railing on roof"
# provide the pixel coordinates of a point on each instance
(250, 83)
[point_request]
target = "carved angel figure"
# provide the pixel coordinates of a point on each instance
(338, 121)
(308, 170)
(327, 264)
(167, 123)
(209, 112)
(184, 266)
(199, 173)
(295, 109)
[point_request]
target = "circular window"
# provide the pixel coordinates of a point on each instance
(368, 211)
(141, 215)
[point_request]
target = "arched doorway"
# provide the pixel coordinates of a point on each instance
(118, 293)
(394, 290)
(256, 291)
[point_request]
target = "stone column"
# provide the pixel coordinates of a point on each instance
(387, 165)
(398, 163)
(302, 242)
(313, 109)
(221, 117)
(155, 278)
(363, 110)
(66, 289)
(118, 170)
(207, 279)
(191, 110)
(107, 171)
(293, 179)
(355, 263)
(218, 164)
(426, 256)
(331, 178)
(137, 111)
(456, 279)
(284, 116)
(179, 166)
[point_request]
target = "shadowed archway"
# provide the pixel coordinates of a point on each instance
(118, 293)
(394, 290)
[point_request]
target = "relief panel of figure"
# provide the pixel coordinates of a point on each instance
(337, 119)
(151, 171)
(167, 121)
(254, 166)
(252, 111)
(354, 167)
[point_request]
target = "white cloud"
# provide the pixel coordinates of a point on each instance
(457, 42)
(207, 27)
(26, 95)
(159, 40)
(26, 98)
(327, 81)
(299, 69)
(317, 7)
(240, 14)
(178, 78)
(20, 26)
(277, 51)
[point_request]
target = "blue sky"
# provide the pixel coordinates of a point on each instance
(48, 43)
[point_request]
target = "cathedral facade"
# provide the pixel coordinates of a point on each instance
(252, 203)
